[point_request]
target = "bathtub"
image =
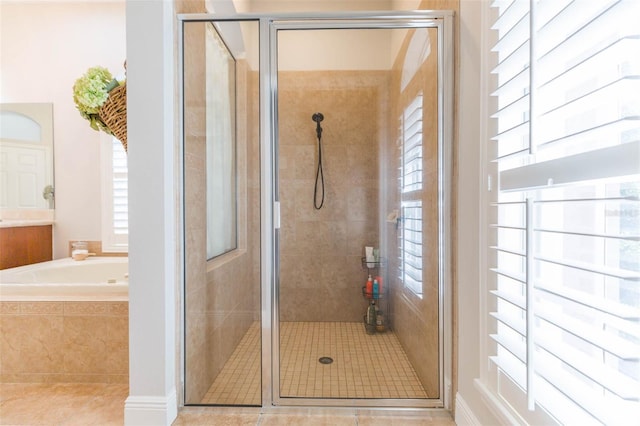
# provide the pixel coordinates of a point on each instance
(65, 321)
(93, 279)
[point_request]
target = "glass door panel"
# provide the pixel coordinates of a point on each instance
(221, 213)
(358, 152)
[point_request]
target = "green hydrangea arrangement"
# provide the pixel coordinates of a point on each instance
(90, 92)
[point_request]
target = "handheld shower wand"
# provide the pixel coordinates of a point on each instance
(318, 117)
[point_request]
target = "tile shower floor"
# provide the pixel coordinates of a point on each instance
(364, 366)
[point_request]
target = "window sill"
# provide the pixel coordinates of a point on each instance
(223, 259)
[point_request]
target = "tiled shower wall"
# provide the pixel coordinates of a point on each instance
(320, 269)
(415, 318)
(198, 374)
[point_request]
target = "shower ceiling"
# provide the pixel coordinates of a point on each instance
(360, 50)
(270, 6)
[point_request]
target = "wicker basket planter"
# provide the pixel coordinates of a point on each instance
(114, 113)
(102, 100)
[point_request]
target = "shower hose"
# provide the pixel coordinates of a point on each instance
(318, 117)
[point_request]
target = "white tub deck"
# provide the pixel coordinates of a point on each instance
(93, 279)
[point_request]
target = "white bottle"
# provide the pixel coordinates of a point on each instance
(368, 252)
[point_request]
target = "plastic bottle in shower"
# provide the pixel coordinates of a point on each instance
(380, 289)
(380, 326)
(371, 318)
(369, 288)
(376, 289)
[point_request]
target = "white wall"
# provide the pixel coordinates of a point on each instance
(470, 407)
(153, 243)
(44, 48)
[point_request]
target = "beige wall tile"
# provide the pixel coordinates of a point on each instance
(9, 308)
(85, 342)
(120, 309)
(41, 308)
(317, 246)
(117, 345)
(86, 308)
(121, 379)
(31, 344)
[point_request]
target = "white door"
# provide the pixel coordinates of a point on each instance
(22, 177)
(26, 140)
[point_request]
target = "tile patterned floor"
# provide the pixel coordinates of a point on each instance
(364, 366)
(103, 405)
(62, 404)
(327, 417)
(239, 381)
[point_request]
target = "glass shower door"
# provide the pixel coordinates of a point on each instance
(359, 156)
(298, 154)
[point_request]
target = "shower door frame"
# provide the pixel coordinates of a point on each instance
(442, 21)
(269, 25)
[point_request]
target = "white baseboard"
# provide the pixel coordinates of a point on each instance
(464, 414)
(150, 410)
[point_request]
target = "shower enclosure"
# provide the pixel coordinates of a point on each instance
(306, 139)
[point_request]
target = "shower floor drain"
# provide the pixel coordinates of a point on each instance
(325, 360)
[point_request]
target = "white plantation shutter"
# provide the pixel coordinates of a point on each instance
(120, 190)
(411, 246)
(565, 238)
(412, 147)
(115, 220)
(411, 173)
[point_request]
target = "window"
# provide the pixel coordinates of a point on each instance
(565, 239)
(410, 235)
(220, 147)
(115, 212)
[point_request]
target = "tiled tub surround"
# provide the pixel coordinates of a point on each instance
(65, 342)
(65, 321)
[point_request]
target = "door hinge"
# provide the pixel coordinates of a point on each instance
(276, 215)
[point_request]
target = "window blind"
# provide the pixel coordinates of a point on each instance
(564, 270)
(411, 175)
(115, 211)
(412, 146)
(120, 190)
(411, 246)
